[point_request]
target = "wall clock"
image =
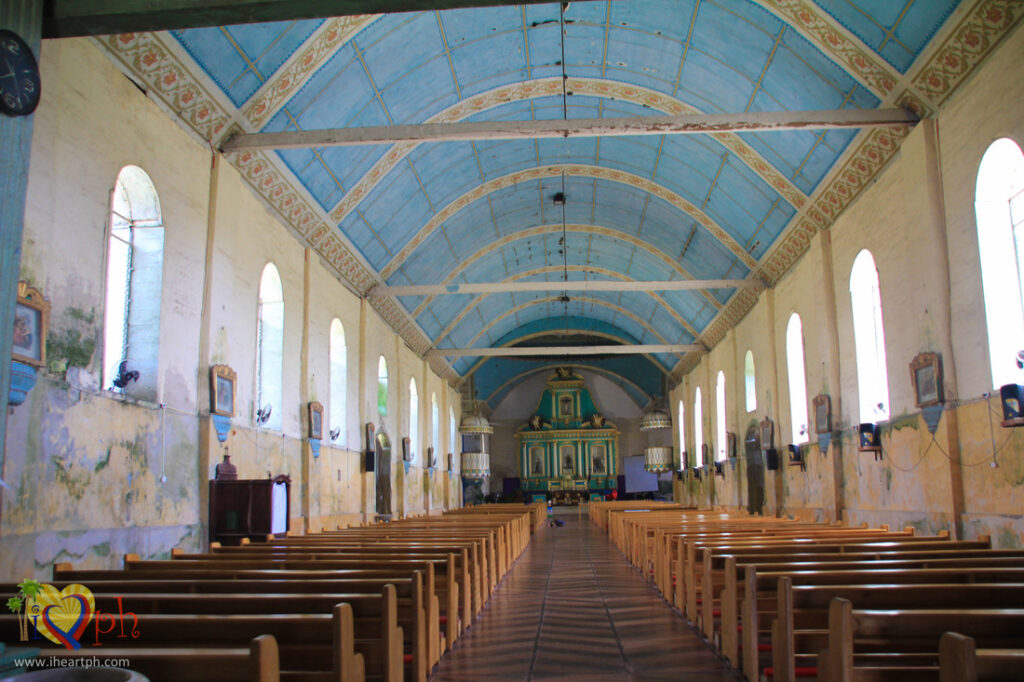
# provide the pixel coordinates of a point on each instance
(19, 76)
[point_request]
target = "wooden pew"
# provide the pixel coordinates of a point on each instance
(722, 573)
(694, 580)
(369, 546)
(911, 631)
(256, 663)
(444, 591)
(795, 630)
(375, 617)
(805, 607)
(961, 661)
(452, 563)
(733, 592)
(760, 603)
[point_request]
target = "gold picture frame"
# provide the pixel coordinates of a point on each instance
(223, 380)
(822, 414)
(926, 378)
(316, 420)
(31, 320)
(767, 433)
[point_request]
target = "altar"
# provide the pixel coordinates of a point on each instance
(567, 446)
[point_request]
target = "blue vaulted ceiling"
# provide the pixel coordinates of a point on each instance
(637, 208)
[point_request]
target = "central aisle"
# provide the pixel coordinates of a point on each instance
(572, 608)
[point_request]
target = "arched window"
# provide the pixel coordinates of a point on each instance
(999, 206)
(382, 387)
(797, 379)
(338, 383)
(135, 263)
(270, 348)
(720, 409)
(414, 420)
(869, 339)
(435, 426)
(698, 431)
(681, 420)
(749, 383)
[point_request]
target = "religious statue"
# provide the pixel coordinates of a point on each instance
(597, 421)
(536, 422)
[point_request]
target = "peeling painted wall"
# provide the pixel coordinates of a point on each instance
(919, 479)
(95, 474)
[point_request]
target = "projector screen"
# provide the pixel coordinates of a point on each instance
(638, 480)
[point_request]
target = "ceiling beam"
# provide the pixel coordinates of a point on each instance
(576, 285)
(70, 18)
(686, 124)
(528, 351)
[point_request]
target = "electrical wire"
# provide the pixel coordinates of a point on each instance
(991, 461)
(565, 117)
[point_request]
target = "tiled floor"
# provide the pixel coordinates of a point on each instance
(572, 608)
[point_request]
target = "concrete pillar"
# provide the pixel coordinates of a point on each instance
(775, 407)
(24, 17)
(835, 451)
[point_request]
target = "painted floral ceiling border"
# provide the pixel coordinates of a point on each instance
(162, 69)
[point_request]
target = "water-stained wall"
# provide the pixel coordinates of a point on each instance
(918, 221)
(95, 474)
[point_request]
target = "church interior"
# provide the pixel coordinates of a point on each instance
(389, 267)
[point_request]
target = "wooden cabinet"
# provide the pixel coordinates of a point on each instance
(251, 509)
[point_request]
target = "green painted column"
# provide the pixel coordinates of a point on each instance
(24, 17)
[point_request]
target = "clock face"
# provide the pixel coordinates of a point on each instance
(19, 76)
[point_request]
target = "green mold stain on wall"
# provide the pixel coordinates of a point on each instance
(904, 421)
(1008, 539)
(72, 343)
(75, 484)
(102, 464)
(102, 549)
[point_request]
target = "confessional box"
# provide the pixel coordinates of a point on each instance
(250, 509)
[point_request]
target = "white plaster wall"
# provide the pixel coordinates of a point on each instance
(898, 219)
(95, 476)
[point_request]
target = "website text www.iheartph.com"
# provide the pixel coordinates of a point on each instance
(71, 662)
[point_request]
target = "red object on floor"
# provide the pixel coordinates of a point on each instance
(808, 671)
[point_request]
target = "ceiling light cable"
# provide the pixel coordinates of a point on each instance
(561, 30)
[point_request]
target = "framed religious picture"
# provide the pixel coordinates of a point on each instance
(316, 420)
(598, 460)
(568, 459)
(431, 462)
(767, 433)
(451, 462)
(822, 414)
(369, 436)
(536, 461)
(407, 453)
(926, 376)
(730, 439)
(31, 312)
(222, 390)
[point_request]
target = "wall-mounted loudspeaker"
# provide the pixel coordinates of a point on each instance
(1012, 398)
(869, 438)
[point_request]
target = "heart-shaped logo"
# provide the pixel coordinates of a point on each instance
(62, 615)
